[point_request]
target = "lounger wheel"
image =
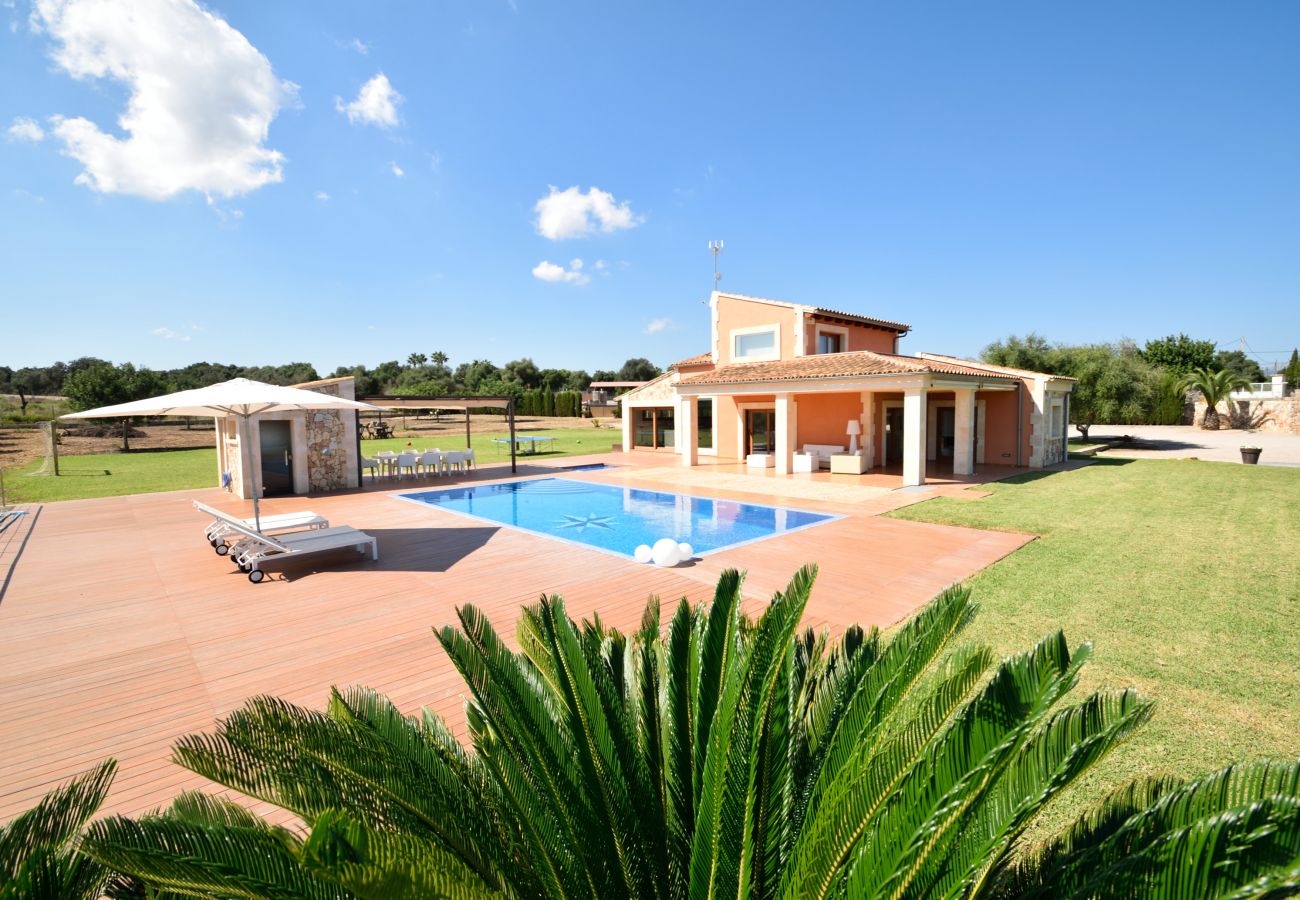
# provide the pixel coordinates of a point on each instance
(245, 567)
(221, 549)
(256, 575)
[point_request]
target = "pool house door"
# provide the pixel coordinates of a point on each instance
(277, 458)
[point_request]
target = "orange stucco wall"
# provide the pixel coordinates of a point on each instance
(822, 418)
(999, 427)
(859, 337)
(735, 313)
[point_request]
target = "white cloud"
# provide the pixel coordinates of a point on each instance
(24, 129)
(355, 44)
(571, 213)
(27, 195)
(202, 97)
(600, 265)
(549, 271)
(168, 335)
(322, 196)
(658, 325)
(376, 103)
(435, 161)
(396, 169)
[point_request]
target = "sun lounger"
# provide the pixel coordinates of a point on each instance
(251, 549)
(221, 527)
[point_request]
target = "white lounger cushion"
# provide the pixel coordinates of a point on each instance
(295, 521)
(252, 549)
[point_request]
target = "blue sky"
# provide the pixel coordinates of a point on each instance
(1086, 170)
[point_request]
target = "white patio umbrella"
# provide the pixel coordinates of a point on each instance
(241, 398)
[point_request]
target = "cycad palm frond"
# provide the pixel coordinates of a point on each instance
(39, 848)
(719, 758)
(1162, 838)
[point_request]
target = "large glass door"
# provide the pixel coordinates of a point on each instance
(652, 429)
(760, 430)
(894, 436)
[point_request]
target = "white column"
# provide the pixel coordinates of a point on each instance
(963, 448)
(868, 418)
(913, 437)
(786, 426)
(687, 419)
(627, 428)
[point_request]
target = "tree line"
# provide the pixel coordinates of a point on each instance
(1123, 384)
(89, 382)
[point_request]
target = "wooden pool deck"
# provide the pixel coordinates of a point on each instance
(123, 631)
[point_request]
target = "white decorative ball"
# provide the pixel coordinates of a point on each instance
(643, 554)
(685, 551)
(665, 552)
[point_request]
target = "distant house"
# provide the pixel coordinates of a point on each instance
(780, 378)
(601, 398)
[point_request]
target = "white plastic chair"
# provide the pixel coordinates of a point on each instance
(432, 460)
(406, 461)
(371, 466)
(456, 459)
(470, 462)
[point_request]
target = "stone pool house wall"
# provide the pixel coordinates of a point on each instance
(324, 454)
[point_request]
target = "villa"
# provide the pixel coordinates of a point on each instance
(796, 387)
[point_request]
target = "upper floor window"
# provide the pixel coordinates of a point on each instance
(756, 344)
(829, 342)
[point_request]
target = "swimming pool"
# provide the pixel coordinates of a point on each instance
(617, 519)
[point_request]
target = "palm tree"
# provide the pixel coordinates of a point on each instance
(717, 758)
(1214, 385)
(38, 849)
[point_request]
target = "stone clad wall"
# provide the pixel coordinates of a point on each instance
(1281, 416)
(328, 458)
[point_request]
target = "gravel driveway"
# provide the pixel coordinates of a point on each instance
(1187, 441)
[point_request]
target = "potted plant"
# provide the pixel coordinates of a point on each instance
(1250, 455)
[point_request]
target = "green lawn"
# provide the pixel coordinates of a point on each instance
(1185, 576)
(142, 472)
(115, 474)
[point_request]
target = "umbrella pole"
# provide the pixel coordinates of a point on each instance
(247, 453)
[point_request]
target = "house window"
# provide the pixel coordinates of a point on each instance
(831, 339)
(704, 428)
(755, 345)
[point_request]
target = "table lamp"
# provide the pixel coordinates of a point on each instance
(854, 429)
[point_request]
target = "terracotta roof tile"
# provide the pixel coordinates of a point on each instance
(990, 367)
(701, 360)
(834, 365)
(854, 317)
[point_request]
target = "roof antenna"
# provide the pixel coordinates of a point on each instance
(715, 247)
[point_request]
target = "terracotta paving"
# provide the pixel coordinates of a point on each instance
(123, 631)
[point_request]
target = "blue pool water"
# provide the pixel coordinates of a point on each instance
(617, 519)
